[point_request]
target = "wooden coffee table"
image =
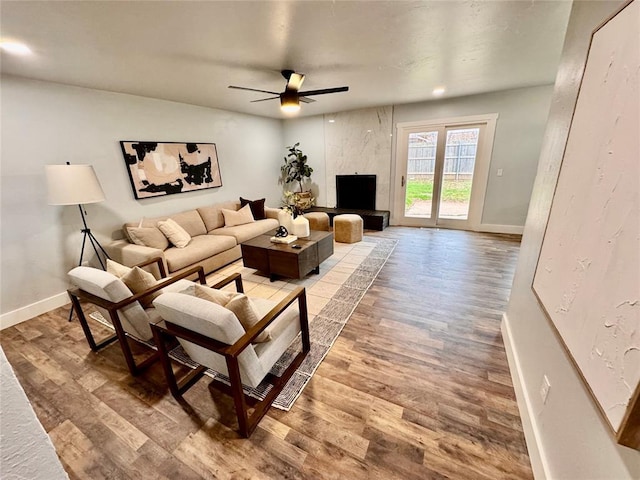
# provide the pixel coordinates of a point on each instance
(280, 260)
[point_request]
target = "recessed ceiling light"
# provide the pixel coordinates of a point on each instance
(438, 91)
(15, 48)
(332, 121)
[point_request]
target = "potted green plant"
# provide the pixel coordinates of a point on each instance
(295, 168)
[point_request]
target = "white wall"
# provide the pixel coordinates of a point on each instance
(25, 448)
(567, 437)
(46, 123)
(516, 147)
(520, 127)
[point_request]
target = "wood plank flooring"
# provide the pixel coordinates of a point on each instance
(416, 387)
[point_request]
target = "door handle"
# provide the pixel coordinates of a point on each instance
(402, 185)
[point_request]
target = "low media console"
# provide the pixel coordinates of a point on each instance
(372, 219)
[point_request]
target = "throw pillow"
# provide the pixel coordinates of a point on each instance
(174, 232)
(239, 217)
(136, 279)
(139, 281)
(117, 269)
(256, 206)
(241, 305)
(148, 237)
(238, 303)
(221, 297)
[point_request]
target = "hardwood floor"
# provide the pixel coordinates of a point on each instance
(416, 387)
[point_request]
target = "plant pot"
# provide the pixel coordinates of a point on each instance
(303, 200)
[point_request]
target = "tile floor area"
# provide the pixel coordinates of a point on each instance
(320, 288)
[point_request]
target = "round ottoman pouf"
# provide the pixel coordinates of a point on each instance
(318, 221)
(347, 228)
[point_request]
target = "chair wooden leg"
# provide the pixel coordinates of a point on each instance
(120, 335)
(304, 323)
(238, 396)
(248, 423)
(158, 336)
(176, 389)
(95, 346)
(124, 343)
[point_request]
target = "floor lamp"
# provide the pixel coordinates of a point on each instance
(76, 185)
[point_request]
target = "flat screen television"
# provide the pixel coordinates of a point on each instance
(357, 192)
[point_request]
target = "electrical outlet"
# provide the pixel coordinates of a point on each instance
(499, 172)
(544, 389)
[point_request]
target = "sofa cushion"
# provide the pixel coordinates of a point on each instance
(174, 232)
(147, 237)
(191, 221)
(257, 207)
(212, 215)
(200, 247)
(237, 217)
(242, 233)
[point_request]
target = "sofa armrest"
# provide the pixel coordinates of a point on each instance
(271, 212)
(130, 254)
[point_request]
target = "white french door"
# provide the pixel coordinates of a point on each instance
(441, 171)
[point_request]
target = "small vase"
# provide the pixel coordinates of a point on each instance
(300, 227)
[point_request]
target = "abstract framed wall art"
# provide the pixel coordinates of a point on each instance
(587, 279)
(164, 168)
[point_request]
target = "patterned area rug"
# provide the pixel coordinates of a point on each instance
(364, 261)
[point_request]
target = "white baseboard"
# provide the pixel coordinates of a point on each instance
(538, 460)
(483, 227)
(492, 228)
(25, 313)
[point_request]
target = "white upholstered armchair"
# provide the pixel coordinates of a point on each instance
(124, 309)
(213, 337)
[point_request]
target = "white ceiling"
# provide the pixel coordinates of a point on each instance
(387, 52)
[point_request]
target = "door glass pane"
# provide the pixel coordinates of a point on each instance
(421, 164)
(459, 162)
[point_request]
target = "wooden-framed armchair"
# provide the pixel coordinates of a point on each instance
(113, 299)
(213, 337)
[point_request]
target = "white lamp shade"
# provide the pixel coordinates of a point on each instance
(73, 185)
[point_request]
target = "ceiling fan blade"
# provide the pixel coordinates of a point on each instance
(306, 100)
(295, 81)
(323, 91)
(264, 99)
(254, 90)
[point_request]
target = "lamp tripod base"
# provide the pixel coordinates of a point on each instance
(97, 248)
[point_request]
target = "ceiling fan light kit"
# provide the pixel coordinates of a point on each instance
(292, 96)
(289, 101)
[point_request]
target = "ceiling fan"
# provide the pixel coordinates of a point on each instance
(292, 96)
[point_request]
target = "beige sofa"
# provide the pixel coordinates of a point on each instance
(212, 244)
